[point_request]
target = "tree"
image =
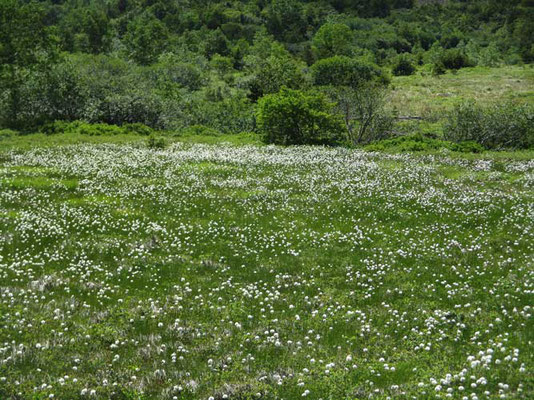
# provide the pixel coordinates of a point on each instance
(364, 112)
(25, 44)
(270, 67)
(332, 40)
(293, 117)
(146, 38)
(284, 19)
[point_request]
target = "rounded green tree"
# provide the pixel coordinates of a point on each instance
(293, 117)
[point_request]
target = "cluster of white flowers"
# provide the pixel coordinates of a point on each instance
(217, 272)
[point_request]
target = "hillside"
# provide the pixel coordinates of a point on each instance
(177, 64)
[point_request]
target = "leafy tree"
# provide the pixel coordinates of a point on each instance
(332, 39)
(171, 72)
(284, 20)
(364, 112)
(270, 67)
(146, 38)
(293, 117)
(25, 45)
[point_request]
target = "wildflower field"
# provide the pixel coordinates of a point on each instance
(226, 272)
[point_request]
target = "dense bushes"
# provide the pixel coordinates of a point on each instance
(84, 128)
(419, 142)
(346, 71)
(294, 117)
(497, 126)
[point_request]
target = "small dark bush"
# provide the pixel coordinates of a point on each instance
(55, 127)
(455, 59)
(346, 71)
(498, 126)
(403, 67)
(6, 133)
(138, 128)
(156, 142)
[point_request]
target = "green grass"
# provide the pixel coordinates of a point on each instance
(425, 95)
(17, 141)
(345, 273)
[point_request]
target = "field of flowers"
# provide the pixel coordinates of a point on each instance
(221, 272)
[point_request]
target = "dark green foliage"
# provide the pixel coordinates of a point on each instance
(332, 40)
(270, 67)
(25, 45)
(293, 117)
(418, 142)
(455, 59)
(138, 128)
(499, 126)
(156, 142)
(403, 66)
(345, 71)
(146, 38)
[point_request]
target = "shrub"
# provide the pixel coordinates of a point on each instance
(455, 59)
(156, 142)
(495, 127)
(98, 129)
(7, 133)
(403, 67)
(419, 142)
(364, 112)
(346, 71)
(294, 117)
(138, 128)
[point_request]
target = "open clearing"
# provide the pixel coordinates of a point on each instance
(220, 272)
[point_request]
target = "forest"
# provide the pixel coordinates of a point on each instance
(219, 67)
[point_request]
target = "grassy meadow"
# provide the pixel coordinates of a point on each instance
(206, 271)
(427, 96)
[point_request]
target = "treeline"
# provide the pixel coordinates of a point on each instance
(173, 64)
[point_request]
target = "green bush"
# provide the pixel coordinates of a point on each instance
(138, 128)
(419, 142)
(403, 67)
(346, 71)
(293, 117)
(455, 59)
(156, 142)
(7, 133)
(497, 126)
(332, 39)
